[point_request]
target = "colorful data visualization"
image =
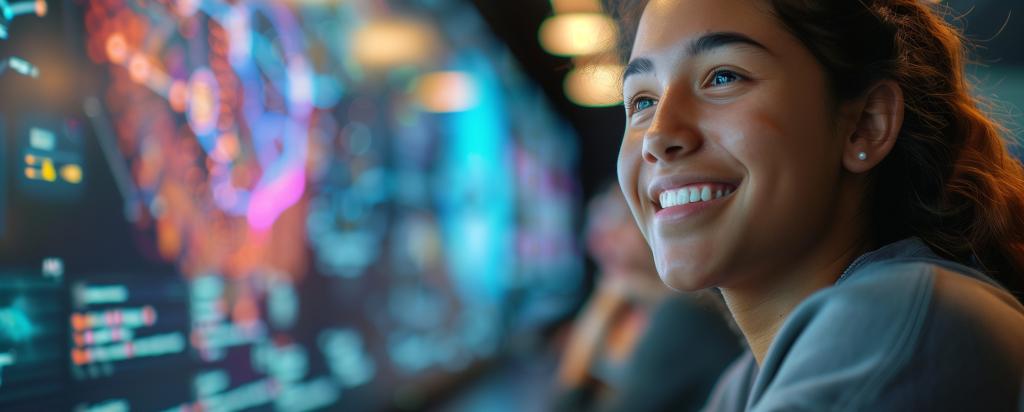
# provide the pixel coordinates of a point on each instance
(272, 205)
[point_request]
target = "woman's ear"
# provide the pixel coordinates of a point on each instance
(879, 119)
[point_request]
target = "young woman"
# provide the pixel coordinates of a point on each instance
(824, 164)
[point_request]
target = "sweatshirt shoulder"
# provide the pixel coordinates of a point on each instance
(867, 338)
(939, 288)
(933, 299)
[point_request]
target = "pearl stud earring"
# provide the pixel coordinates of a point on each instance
(862, 156)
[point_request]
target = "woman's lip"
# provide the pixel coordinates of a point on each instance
(683, 211)
(660, 185)
(712, 190)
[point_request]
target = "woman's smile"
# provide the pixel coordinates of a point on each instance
(682, 202)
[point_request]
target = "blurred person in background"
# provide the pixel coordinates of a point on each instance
(636, 345)
(827, 167)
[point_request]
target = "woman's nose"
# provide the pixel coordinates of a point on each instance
(672, 135)
(661, 149)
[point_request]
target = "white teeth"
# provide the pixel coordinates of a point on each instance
(703, 193)
(668, 197)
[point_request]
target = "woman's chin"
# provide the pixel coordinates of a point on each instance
(690, 264)
(686, 280)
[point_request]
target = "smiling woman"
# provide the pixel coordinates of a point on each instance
(825, 165)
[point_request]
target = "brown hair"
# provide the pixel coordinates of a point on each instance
(950, 179)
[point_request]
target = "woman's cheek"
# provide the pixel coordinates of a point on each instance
(628, 169)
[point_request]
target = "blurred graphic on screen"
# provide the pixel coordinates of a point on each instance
(270, 205)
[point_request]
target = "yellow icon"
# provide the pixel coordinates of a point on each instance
(71, 173)
(49, 172)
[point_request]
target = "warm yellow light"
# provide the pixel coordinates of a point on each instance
(576, 34)
(576, 6)
(226, 149)
(394, 42)
(444, 92)
(117, 48)
(138, 68)
(594, 86)
(49, 173)
(177, 96)
(202, 102)
(71, 173)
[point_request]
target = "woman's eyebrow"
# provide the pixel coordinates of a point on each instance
(715, 40)
(701, 45)
(639, 65)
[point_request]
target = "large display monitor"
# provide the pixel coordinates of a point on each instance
(270, 205)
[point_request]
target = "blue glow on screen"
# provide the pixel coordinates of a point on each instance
(3, 179)
(478, 203)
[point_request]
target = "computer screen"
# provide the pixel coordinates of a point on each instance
(270, 205)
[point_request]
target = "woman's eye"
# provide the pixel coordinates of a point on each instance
(722, 78)
(641, 103)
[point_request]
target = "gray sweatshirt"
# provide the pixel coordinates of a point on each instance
(903, 330)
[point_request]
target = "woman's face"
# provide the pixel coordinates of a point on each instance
(731, 159)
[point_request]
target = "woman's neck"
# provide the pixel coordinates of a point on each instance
(762, 306)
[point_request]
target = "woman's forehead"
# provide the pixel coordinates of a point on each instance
(671, 25)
